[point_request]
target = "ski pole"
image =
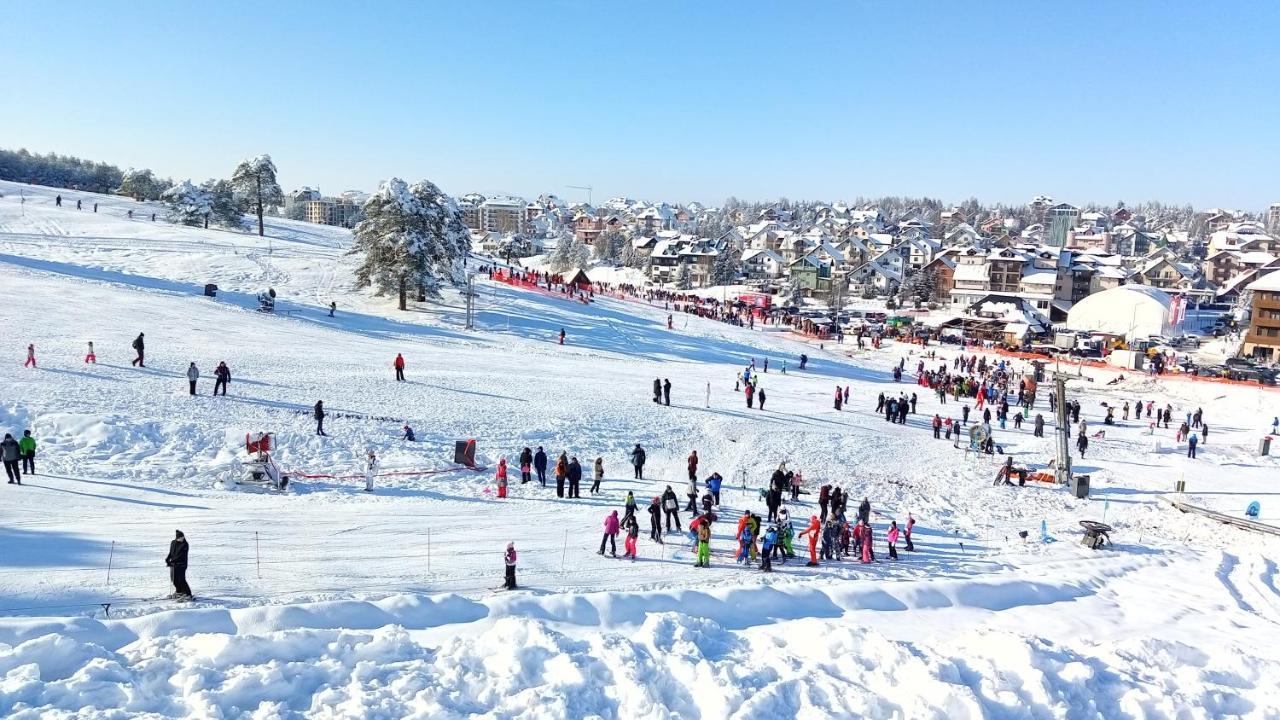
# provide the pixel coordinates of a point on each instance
(565, 550)
(110, 557)
(257, 553)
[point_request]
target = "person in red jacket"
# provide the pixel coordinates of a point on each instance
(399, 365)
(814, 531)
(693, 466)
(502, 478)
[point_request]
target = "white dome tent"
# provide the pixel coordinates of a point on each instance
(1134, 311)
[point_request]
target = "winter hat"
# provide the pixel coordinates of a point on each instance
(178, 534)
(511, 546)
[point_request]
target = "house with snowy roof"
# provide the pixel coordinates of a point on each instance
(763, 264)
(1241, 237)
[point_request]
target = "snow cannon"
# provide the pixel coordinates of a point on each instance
(1096, 535)
(261, 469)
(267, 300)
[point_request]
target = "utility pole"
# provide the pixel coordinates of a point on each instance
(1062, 467)
(471, 301)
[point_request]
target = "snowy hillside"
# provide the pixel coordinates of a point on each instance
(329, 601)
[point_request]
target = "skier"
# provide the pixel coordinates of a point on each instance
(669, 323)
(334, 306)
(666, 392)
(785, 534)
(744, 538)
(90, 357)
(408, 433)
(892, 537)
(10, 454)
(221, 376)
(561, 336)
(540, 464)
(371, 468)
(812, 532)
(655, 519)
(31, 356)
(704, 544)
(193, 374)
(713, 484)
(657, 391)
(629, 506)
(27, 449)
(671, 508)
(610, 534)
(768, 545)
(561, 471)
(597, 474)
(637, 461)
(176, 560)
(319, 415)
(58, 201)
(509, 558)
(398, 364)
(140, 346)
(501, 478)
(575, 477)
(633, 532)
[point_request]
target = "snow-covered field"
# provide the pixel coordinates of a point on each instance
(331, 602)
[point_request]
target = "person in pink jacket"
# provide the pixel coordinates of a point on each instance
(610, 534)
(867, 553)
(502, 478)
(509, 558)
(892, 537)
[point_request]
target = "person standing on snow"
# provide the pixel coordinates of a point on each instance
(332, 306)
(562, 472)
(574, 474)
(193, 374)
(1082, 443)
(693, 468)
(629, 505)
(704, 544)
(713, 484)
(10, 454)
(911, 523)
(90, 357)
(1192, 441)
(139, 346)
(398, 364)
(501, 478)
(27, 449)
(671, 508)
(509, 558)
(31, 356)
(610, 534)
(176, 560)
(657, 391)
(371, 469)
(561, 336)
(319, 416)
(637, 461)
(633, 532)
(666, 392)
(864, 511)
(655, 520)
(540, 464)
(813, 532)
(221, 376)
(839, 397)
(597, 474)
(892, 537)
(526, 465)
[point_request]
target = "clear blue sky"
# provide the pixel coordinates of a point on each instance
(1106, 101)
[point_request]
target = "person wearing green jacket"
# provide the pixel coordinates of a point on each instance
(27, 448)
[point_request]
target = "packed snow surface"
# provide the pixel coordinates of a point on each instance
(331, 602)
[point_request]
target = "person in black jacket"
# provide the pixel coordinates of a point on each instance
(177, 562)
(671, 508)
(575, 476)
(657, 390)
(540, 464)
(526, 462)
(655, 519)
(666, 391)
(637, 461)
(221, 376)
(140, 347)
(864, 512)
(319, 415)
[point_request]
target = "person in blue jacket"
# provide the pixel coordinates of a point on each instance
(767, 544)
(713, 484)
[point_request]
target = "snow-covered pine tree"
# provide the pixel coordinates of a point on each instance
(570, 253)
(255, 180)
(728, 264)
(141, 185)
(684, 277)
(411, 237)
(188, 204)
(225, 211)
(609, 247)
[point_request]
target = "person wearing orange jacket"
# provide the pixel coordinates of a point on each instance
(399, 366)
(814, 532)
(562, 472)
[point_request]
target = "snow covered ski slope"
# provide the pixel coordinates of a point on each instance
(328, 601)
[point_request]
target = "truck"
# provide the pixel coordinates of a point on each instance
(1065, 340)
